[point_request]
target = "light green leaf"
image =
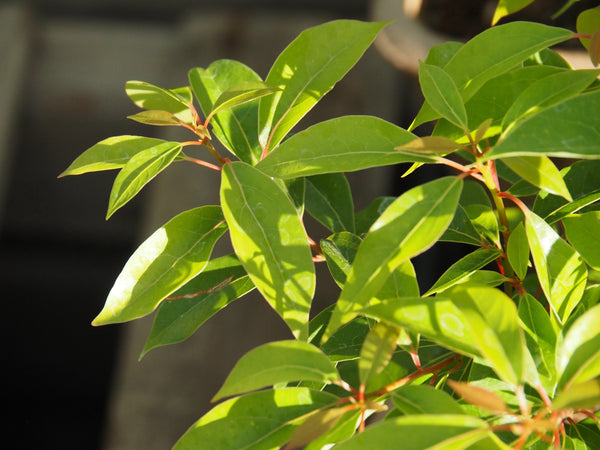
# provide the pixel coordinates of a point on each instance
(138, 171)
(263, 420)
(236, 128)
(408, 227)
(346, 342)
(560, 270)
(441, 93)
(506, 7)
(479, 396)
(278, 362)
(222, 281)
(270, 241)
(431, 144)
(307, 69)
(463, 268)
(517, 251)
(169, 258)
(377, 350)
(588, 22)
(583, 232)
(339, 250)
(155, 117)
(111, 153)
(423, 399)
(484, 220)
(329, 200)
(241, 93)
(578, 353)
(539, 171)
(576, 137)
(153, 97)
(316, 426)
(344, 144)
(581, 395)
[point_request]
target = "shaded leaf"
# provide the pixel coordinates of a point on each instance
(541, 172)
(346, 342)
(270, 241)
(583, 232)
(111, 153)
(484, 220)
(339, 250)
(423, 399)
(138, 171)
(478, 396)
(278, 362)
(329, 200)
(343, 429)
(365, 217)
(377, 350)
(431, 144)
(517, 251)
(153, 97)
(169, 258)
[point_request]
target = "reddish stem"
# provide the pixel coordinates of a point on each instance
(202, 163)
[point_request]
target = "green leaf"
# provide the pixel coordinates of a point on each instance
(581, 395)
(517, 251)
(438, 318)
(343, 429)
(168, 259)
(583, 232)
(241, 93)
(345, 344)
(506, 7)
(315, 426)
(153, 97)
(561, 271)
(307, 69)
(575, 138)
(155, 117)
(367, 216)
(539, 171)
(461, 229)
(441, 93)
(377, 350)
(588, 22)
(278, 362)
(222, 281)
(111, 153)
(440, 54)
(547, 92)
(408, 227)
(329, 200)
(492, 318)
(423, 399)
(344, 144)
(478, 396)
(138, 171)
(431, 144)
(578, 353)
(339, 250)
(270, 241)
(484, 220)
(263, 419)
(236, 128)
(463, 268)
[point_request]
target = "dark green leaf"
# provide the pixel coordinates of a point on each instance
(339, 250)
(329, 200)
(461, 229)
(365, 217)
(346, 342)
(168, 259)
(315, 426)
(270, 241)
(583, 232)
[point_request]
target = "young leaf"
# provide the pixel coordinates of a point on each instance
(315, 426)
(306, 70)
(506, 7)
(111, 153)
(222, 281)
(423, 399)
(517, 251)
(441, 93)
(578, 356)
(431, 144)
(153, 97)
(479, 396)
(539, 171)
(344, 144)
(236, 128)
(581, 395)
(263, 419)
(561, 271)
(409, 226)
(270, 241)
(583, 232)
(138, 171)
(377, 350)
(241, 93)
(169, 258)
(155, 117)
(463, 268)
(278, 362)
(329, 200)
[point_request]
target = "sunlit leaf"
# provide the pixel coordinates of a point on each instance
(377, 350)
(339, 250)
(478, 396)
(539, 171)
(461, 229)
(431, 144)
(583, 232)
(169, 258)
(155, 117)
(315, 426)
(581, 395)
(518, 251)
(241, 93)
(506, 7)
(367, 216)
(153, 97)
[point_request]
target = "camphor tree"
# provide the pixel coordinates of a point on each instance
(503, 351)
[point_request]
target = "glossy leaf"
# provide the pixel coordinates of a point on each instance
(153, 97)
(517, 251)
(506, 7)
(344, 144)
(423, 399)
(111, 153)
(278, 362)
(461, 229)
(409, 226)
(377, 350)
(442, 94)
(236, 127)
(155, 117)
(329, 200)
(270, 241)
(583, 232)
(138, 171)
(478, 396)
(539, 171)
(581, 395)
(314, 427)
(463, 268)
(588, 22)
(578, 355)
(561, 271)
(241, 93)
(263, 419)
(168, 259)
(307, 69)
(222, 281)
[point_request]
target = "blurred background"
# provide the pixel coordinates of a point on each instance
(63, 66)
